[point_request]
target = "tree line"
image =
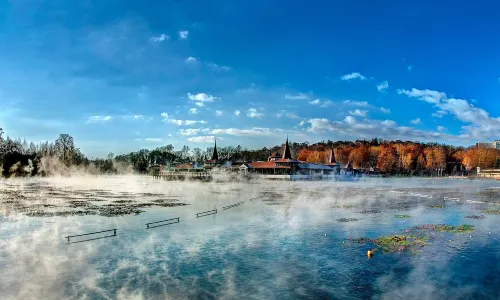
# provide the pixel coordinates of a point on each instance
(20, 158)
(404, 157)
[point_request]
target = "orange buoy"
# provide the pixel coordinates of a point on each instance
(370, 253)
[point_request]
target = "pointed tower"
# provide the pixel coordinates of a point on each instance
(215, 155)
(286, 151)
(331, 158)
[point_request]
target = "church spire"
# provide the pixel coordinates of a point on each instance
(286, 151)
(215, 155)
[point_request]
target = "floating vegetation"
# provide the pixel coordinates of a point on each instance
(123, 201)
(370, 211)
(342, 206)
(345, 220)
(475, 217)
(446, 228)
(437, 206)
(402, 216)
(491, 211)
(411, 239)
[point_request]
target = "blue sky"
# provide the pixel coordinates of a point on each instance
(124, 75)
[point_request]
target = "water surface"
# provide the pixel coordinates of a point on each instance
(284, 242)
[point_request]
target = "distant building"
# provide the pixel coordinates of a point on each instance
(214, 161)
(484, 145)
(496, 144)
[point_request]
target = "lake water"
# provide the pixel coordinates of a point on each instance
(287, 240)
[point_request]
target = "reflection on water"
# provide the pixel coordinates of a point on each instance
(287, 240)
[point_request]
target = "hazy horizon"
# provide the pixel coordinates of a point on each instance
(124, 75)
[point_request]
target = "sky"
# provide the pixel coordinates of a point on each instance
(124, 75)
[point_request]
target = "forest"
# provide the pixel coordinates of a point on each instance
(63, 157)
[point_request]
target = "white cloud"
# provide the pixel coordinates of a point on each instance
(98, 119)
(358, 112)
(369, 128)
(255, 131)
(439, 114)
(134, 117)
(318, 102)
(169, 119)
(191, 60)
(350, 120)
(160, 38)
(218, 113)
(383, 86)
(217, 67)
(237, 112)
(284, 113)
(352, 76)
(193, 111)
(315, 102)
(385, 110)
(193, 131)
(253, 113)
(441, 128)
(480, 125)
(416, 121)
(356, 103)
(201, 98)
(299, 96)
(203, 139)
(425, 95)
(155, 140)
(302, 123)
(183, 34)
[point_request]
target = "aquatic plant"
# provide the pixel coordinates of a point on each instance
(370, 211)
(444, 228)
(344, 220)
(342, 206)
(475, 217)
(411, 239)
(437, 206)
(402, 216)
(491, 211)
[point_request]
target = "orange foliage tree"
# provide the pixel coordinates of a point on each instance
(387, 159)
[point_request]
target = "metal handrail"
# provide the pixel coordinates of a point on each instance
(205, 213)
(178, 221)
(70, 236)
(232, 205)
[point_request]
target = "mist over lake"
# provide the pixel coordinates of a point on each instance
(283, 240)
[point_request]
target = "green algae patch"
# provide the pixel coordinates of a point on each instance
(395, 243)
(402, 216)
(437, 206)
(410, 240)
(491, 211)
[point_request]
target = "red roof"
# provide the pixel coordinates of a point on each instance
(267, 165)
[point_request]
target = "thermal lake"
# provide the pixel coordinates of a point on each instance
(284, 240)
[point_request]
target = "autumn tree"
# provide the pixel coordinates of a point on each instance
(387, 159)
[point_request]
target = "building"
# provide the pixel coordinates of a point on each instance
(214, 162)
(286, 167)
(496, 144)
(484, 145)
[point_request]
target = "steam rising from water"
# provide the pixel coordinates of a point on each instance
(284, 242)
